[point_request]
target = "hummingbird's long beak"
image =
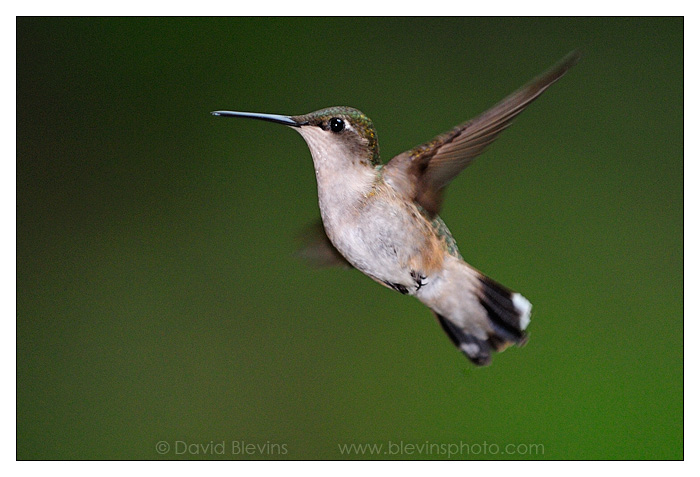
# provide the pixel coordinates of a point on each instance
(274, 118)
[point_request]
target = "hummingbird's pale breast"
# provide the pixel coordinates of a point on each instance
(377, 229)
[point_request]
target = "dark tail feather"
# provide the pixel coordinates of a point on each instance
(508, 312)
(475, 349)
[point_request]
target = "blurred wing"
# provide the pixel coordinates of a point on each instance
(424, 171)
(317, 249)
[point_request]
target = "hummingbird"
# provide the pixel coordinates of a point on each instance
(382, 219)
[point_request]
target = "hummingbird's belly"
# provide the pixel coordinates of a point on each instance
(391, 242)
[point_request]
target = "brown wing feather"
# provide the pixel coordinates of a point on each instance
(431, 166)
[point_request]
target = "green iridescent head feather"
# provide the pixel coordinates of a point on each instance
(361, 123)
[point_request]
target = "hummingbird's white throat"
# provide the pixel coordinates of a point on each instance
(342, 173)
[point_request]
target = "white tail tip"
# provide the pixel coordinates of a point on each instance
(524, 307)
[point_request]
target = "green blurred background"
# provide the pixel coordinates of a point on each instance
(159, 298)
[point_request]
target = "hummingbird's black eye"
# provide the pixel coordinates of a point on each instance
(336, 125)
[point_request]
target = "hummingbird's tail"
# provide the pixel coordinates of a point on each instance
(481, 315)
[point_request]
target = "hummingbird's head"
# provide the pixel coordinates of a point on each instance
(340, 134)
(341, 128)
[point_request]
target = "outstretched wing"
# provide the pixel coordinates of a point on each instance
(424, 171)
